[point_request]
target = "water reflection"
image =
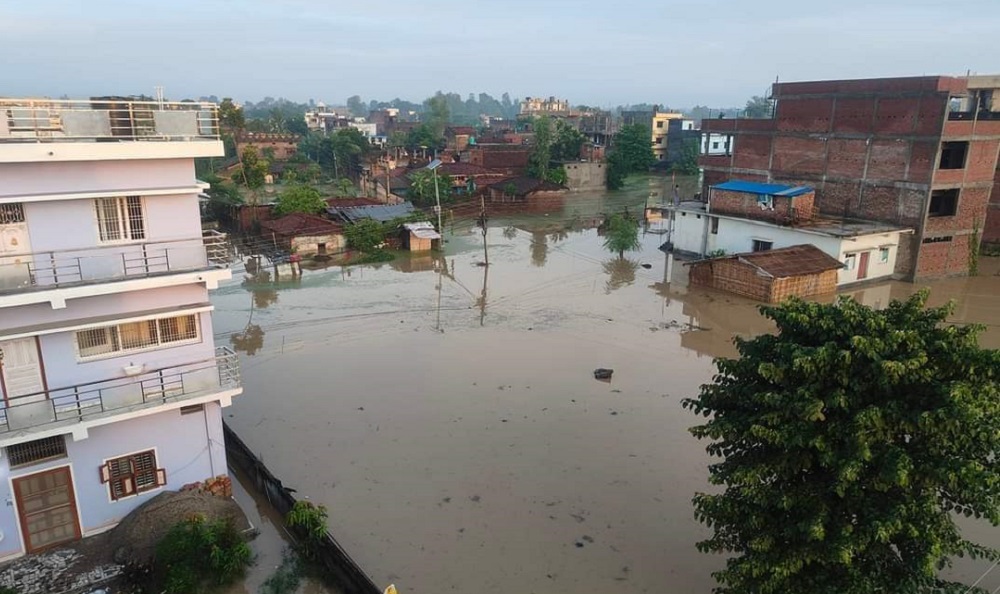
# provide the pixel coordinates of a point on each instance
(621, 273)
(539, 248)
(509, 232)
(249, 341)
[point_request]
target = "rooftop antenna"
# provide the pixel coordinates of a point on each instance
(159, 96)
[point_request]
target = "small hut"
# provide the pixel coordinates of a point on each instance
(772, 275)
(420, 237)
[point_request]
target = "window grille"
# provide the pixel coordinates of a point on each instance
(136, 336)
(11, 213)
(120, 219)
(132, 474)
(32, 452)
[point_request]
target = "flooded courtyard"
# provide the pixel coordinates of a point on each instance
(447, 414)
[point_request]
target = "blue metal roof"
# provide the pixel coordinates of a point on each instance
(749, 187)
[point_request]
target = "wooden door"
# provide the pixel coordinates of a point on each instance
(863, 265)
(21, 371)
(46, 506)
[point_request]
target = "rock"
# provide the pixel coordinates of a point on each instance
(602, 373)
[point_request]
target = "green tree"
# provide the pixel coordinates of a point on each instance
(421, 190)
(567, 142)
(850, 439)
(300, 198)
(222, 196)
(631, 152)
(541, 151)
(365, 236)
(621, 234)
(253, 169)
(357, 106)
(343, 187)
(230, 116)
(688, 161)
(758, 107)
(437, 114)
(423, 137)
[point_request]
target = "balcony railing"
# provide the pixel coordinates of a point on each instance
(971, 115)
(66, 268)
(106, 120)
(138, 389)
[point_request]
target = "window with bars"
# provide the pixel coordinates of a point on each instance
(120, 219)
(11, 213)
(39, 450)
(136, 336)
(132, 474)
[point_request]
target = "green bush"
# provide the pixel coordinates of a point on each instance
(197, 552)
(311, 519)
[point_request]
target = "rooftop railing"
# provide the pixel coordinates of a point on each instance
(139, 388)
(65, 268)
(106, 120)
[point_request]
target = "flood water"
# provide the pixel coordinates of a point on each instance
(447, 415)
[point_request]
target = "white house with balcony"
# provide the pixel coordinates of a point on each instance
(112, 386)
(742, 216)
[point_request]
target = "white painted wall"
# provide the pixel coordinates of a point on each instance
(63, 178)
(188, 447)
(715, 144)
(691, 233)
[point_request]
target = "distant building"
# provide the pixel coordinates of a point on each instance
(660, 132)
(539, 106)
(508, 159)
(526, 190)
(459, 137)
(680, 133)
(916, 152)
(284, 146)
(713, 143)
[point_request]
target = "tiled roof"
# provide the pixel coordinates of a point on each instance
(797, 260)
(526, 185)
(462, 169)
(299, 224)
(749, 187)
(344, 202)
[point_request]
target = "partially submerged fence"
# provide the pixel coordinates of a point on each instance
(338, 566)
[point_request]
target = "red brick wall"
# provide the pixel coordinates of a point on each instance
(944, 258)
(808, 285)
(991, 229)
(745, 205)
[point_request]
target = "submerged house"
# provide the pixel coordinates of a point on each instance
(112, 384)
(528, 190)
(770, 276)
(305, 235)
(420, 237)
(742, 216)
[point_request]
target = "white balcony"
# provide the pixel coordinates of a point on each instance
(45, 129)
(40, 271)
(138, 389)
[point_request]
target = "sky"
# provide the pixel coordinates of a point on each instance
(672, 52)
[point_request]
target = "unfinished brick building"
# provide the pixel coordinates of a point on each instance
(917, 152)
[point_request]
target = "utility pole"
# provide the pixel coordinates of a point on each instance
(482, 223)
(437, 200)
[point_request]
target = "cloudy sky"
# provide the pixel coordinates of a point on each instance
(608, 52)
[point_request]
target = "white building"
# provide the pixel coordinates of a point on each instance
(112, 384)
(868, 249)
(713, 143)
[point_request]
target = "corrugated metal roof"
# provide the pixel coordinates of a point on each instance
(381, 213)
(749, 187)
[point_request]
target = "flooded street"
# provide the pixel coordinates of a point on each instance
(447, 413)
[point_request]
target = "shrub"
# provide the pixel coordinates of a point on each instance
(197, 551)
(311, 520)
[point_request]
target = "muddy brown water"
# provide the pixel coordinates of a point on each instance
(447, 414)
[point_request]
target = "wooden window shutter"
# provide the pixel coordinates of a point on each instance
(128, 486)
(161, 477)
(105, 473)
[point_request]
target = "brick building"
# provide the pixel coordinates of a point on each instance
(916, 152)
(284, 145)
